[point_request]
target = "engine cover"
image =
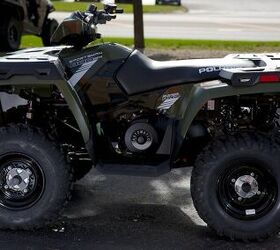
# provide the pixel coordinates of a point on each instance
(141, 137)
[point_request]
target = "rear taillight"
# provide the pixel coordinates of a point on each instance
(269, 78)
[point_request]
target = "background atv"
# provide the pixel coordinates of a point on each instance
(18, 17)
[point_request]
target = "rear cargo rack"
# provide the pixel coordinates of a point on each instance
(267, 70)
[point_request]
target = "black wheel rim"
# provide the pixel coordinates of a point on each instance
(22, 181)
(247, 191)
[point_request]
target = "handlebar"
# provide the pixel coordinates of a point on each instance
(111, 8)
(94, 16)
(80, 28)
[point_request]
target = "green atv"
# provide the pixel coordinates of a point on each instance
(18, 17)
(66, 108)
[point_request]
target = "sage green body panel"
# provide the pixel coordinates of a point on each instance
(108, 52)
(195, 96)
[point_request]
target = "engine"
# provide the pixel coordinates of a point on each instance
(141, 137)
(138, 133)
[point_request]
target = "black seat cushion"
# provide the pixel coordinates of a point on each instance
(141, 74)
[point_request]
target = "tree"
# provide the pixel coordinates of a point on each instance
(139, 42)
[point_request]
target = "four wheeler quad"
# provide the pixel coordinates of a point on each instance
(65, 108)
(18, 17)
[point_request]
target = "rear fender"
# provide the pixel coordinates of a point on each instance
(198, 94)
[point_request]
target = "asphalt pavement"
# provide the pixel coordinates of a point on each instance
(122, 212)
(222, 20)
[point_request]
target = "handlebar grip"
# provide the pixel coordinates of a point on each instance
(119, 11)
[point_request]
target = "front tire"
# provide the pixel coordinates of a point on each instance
(235, 187)
(35, 179)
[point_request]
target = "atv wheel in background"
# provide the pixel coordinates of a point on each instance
(10, 33)
(48, 30)
(35, 179)
(235, 187)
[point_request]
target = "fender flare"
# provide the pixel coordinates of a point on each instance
(199, 94)
(71, 97)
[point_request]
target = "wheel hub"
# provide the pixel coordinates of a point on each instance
(21, 181)
(13, 34)
(247, 190)
(18, 179)
(246, 186)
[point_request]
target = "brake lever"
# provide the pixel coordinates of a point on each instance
(104, 17)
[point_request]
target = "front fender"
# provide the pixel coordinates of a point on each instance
(70, 96)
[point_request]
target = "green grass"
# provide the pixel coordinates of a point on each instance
(241, 46)
(73, 6)
(31, 41)
(202, 44)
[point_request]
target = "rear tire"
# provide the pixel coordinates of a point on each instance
(235, 187)
(48, 30)
(35, 179)
(10, 33)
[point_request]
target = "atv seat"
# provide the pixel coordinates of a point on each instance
(141, 74)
